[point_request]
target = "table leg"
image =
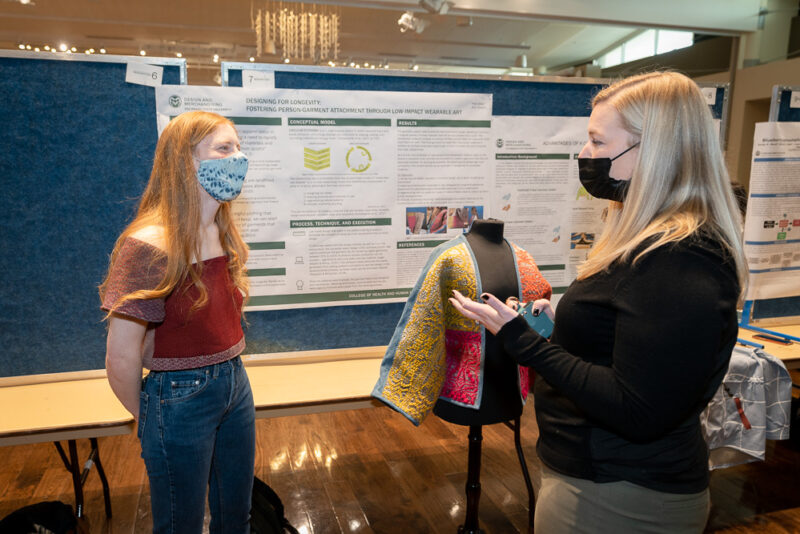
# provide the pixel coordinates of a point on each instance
(101, 472)
(76, 478)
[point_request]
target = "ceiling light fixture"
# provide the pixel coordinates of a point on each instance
(409, 22)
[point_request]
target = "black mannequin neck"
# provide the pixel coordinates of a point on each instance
(489, 229)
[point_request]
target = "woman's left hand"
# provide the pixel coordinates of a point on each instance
(492, 315)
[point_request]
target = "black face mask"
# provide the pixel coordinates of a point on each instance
(593, 173)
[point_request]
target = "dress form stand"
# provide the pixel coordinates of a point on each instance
(500, 398)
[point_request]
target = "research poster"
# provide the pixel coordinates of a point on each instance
(772, 224)
(348, 192)
(538, 195)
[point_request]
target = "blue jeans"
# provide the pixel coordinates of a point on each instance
(197, 429)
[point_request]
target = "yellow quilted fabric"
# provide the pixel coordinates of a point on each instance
(418, 371)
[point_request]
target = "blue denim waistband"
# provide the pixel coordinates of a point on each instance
(213, 369)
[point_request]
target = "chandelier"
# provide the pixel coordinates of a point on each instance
(297, 31)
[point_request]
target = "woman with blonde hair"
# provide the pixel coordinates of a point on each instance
(174, 295)
(644, 335)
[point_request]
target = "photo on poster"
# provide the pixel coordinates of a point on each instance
(426, 220)
(462, 218)
(581, 240)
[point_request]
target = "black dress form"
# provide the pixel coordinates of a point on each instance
(500, 396)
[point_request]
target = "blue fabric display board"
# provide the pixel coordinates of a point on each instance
(76, 157)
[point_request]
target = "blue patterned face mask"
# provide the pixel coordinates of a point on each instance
(223, 178)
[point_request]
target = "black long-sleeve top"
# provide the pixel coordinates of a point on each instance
(636, 354)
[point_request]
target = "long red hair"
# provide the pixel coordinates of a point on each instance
(171, 200)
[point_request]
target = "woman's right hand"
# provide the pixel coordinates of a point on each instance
(543, 305)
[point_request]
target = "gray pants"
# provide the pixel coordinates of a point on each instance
(574, 505)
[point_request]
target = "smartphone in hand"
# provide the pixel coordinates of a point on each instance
(541, 323)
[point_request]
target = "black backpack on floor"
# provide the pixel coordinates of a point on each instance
(54, 517)
(266, 512)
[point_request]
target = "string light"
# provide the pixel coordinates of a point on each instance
(66, 48)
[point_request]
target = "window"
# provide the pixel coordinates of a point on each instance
(643, 45)
(669, 40)
(646, 44)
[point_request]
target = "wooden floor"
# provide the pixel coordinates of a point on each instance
(373, 471)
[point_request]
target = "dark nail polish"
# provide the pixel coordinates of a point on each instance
(485, 296)
(536, 313)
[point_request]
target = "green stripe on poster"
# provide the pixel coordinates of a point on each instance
(431, 123)
(554, 267)
(339, 223)
(268, 245)
(338, 122)
(256, 121)
(531, 156)
(421, 244)
(335, 296)
(277, 271)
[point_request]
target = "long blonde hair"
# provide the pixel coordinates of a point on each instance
(679, 182)
(172, 200)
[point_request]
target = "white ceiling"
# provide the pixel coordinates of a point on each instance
(552, 34)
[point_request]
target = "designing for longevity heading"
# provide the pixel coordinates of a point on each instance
(295, 105)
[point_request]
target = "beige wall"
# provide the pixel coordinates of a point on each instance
(751, 97)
